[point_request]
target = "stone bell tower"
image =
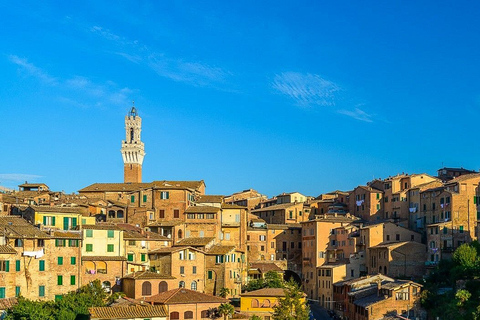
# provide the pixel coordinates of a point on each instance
(132, 148)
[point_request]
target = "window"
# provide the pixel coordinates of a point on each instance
(461, 229)
(73, 261)
(219, 259)
(58, 297)
(110, 248)
(18, 243)
(110, 233)
(4, 265)
(193, 286)
(144, 198)
(210, 274)
(40, 243)
(188, 315)
(89, 247)
(162, 287)
(143, 257)
(89, 233)
(72, 280)
(255, 303)
(164, 195)
(41, 291)
(17, 291)
(262, 238)
(17, 265)
(2, 292)
(132, 199)
(60, 261)
(182, 270)
(194, 270)
(146, 288)
(130, 257)
(227, 236)
(176, 213)
(174, 315)
(48, 221)
(59, 280)
(73, 243)
(397, 237)
(60, 242)
(41, 265)
(181, 284)
(161, 214)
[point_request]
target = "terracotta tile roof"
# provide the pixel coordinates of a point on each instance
(463, 177)
(232, 206)
(177, 184)
(6, 249)
(103, 258)
(16, 227)
(112, 187)
(148, 236)
(219, 249)
(284, 226)
(208, 198)
(171, 223)
(182, 295)
(131, 312)
(202, 209)
(70, 234)
(265, 266)
(277, 207)
(100, 227)
(7, 303)
(147, 275)
(58, 209)
(265, 292)
(129, 187)
(172, 249)
(195, 241)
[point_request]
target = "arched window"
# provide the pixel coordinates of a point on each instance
(90, 267)
(380, 269)
(107, 286)
(266, 303)
(193, 286)
(188, 315)
(101, 267)
(111, 213)
(146, 288)
(174, 315)
(180, 234)
(255, 303)
(181, 284)
(204, 314)
(120, 214)
(162, 286)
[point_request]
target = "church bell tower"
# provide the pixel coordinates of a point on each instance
(133, 149)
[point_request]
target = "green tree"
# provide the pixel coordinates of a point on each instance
(224, 292)
(226, 310)
(271, 280)
(293, 306)
(466, 257)
(31, 310)
(255, 317)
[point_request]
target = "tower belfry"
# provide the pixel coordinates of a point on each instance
(133, 149)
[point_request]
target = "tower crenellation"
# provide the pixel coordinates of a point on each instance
(133, 150)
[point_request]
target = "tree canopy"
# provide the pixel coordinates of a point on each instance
(272, 279)
(293, 306)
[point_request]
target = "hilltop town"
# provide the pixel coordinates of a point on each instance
(176, 252)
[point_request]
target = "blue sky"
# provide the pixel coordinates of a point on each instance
(279, 96)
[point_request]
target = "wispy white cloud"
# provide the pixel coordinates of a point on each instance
(358, 114)
(195, 73)
(306, 89)
(15, 177)
(32, 70)
(84, 92)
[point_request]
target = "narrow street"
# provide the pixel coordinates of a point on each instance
(318, 312)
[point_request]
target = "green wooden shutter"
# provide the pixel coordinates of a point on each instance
(74, 222)
(44, 220)
(41, 265)
(73, 260)
(132, 199)
(2, 292)
(7, 266)
(17, 265)
(474, 200)
(65, 223)
(53, 221)
(72, 280)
